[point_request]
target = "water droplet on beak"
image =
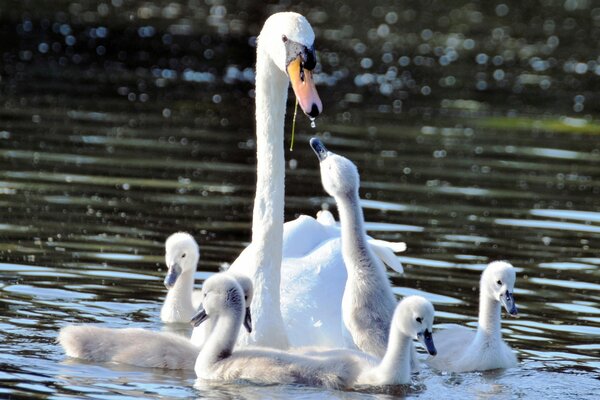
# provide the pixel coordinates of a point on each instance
(313, 124)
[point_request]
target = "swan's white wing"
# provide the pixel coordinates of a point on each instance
(304, 234)
(396, 247)
(311, 295)
(385, 251)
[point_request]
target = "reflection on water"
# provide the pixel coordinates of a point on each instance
(472, 124)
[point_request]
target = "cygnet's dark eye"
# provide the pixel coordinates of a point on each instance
(419, 319)
(183, 255)
(499, 282)
(284, 38)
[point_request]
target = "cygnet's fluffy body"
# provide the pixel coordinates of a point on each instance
(462, 349)
(181, 257)
(133, 346)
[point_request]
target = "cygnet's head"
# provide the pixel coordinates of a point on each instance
(221, 295)
(288, 39)
(498, 281)
(181, 255)
(414, 318)
(338, 174)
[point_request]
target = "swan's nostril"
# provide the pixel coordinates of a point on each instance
(314, 111)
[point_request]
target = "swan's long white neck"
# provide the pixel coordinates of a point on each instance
(179, 297)
(267, 220)
(395, 366)
(221, 340)
(489, 317)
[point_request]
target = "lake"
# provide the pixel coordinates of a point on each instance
(475, 128)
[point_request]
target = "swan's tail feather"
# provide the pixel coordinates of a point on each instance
(385, 251)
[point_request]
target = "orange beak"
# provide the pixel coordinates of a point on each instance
(304, 88)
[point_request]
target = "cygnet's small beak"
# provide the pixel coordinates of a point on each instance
(199, 317)
(427, 339)
(319, 149)
(248, 320)
(304, 88)
(172, 275)
(508, 301)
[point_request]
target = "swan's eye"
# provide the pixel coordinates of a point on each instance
(499, 283)
(183, 255)
(419, 319)
(284, 38)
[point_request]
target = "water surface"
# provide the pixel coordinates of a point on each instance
(474, 129)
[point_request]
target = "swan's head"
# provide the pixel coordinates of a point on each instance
(498, 280)
(288, 39)
(221, 295)
(414, 318)
(181, 255)
(338, 174)
(246, 285)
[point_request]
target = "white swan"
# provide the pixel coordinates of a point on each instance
(223, 301)
(462, 349)
(181, 257)
(307, 295)
(368, 302)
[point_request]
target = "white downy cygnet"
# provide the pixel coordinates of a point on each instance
(368, 302)
(413, 319)
(141, 347)
(336, 369)
(181, 257)
(462, 349)
(223, 302)
(201, 331)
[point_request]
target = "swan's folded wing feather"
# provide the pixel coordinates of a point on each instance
(385, 251)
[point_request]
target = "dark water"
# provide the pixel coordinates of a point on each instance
(475, 129)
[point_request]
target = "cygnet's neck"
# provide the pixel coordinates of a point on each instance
(179, 297)
(489, 317)
(395, 366)
(267, 219)
(221, 340)
(354, 241)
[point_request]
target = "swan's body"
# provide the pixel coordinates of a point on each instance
(181, 257)
(337, 369)
(313, 277)
(285, 52)
(462, 349)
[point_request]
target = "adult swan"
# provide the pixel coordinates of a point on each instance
(314, 271)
